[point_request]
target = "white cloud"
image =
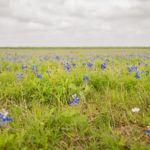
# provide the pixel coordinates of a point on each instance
(74, 22)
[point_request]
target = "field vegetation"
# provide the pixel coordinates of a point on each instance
(75, 98)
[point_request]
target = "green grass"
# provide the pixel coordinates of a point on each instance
(42, 118)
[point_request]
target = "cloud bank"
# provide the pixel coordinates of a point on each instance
(74, 22)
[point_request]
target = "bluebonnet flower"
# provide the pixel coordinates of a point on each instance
(34, 68)
(24, 67)
(39, 75)
(146, 65)
(132, 68)
(137, 76)
(19, 75)
(57, 57)
(84, 64)
(67, 66)
(48, 72)
(139, 63)
(135, 68)
(143, 71)
(4, 117)
(40, 59)
(107, 61)
(85, 78)
(71, 102)
(97, 56)
(90, 64)
(75, 99)
(7, 68)
(74, 96)
(46, 58)
(103, 66)
(73, 64)
(148, 129)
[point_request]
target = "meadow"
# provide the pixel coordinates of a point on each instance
(75, 98)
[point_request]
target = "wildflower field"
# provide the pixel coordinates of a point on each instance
(74, 98)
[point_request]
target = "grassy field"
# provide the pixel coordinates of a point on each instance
(37, 87)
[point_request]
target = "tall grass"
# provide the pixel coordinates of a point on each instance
(102, 119)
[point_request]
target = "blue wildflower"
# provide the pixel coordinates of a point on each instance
(85, 78)
(84, 64)
(34, 68)
(67, 66)
(24, 67)
(48, 72)
(39, 76)
(107, 61)
(143, 71)
(75, 99)
(90, 64)
(73, 64)
(19, 75)
(103, 66)
(132, 68)
(57, 57)
(97, 56)
(148, 130)
(4, 117)
(7, 68)
(40, 59)
(71, 102)
(137, 76)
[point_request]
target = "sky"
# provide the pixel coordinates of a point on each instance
(74, 22)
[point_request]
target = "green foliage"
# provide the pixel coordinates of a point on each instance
(42, 118)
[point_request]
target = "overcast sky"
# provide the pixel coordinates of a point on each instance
(74, 22)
